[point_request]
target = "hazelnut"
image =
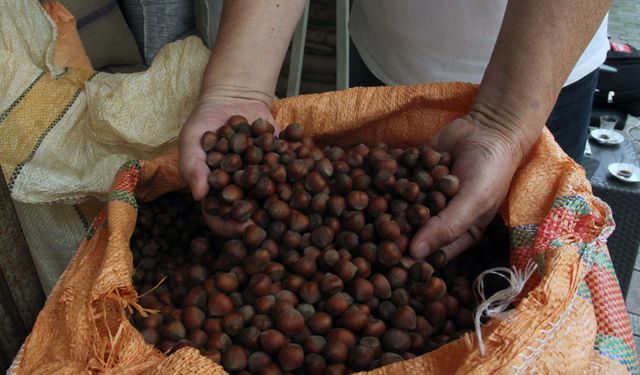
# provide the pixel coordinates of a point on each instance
(173, 331)
(235, 358)
(208, 141)
(258, 360)
(361, 289)
(336, 352)
(271, 341)
(421, 271)
(338, 303)
(404, 318)
(314, 364)
(361, 357)
(448, 185)
(396, 341)
(218, 179)
(192, 317)
(330, 284)
(291, 357)
(290, 322)
(310, 292)
(353, 319)
(320, 323)
(219, 305)
(314, 344)
(250, 338)
(233, 323)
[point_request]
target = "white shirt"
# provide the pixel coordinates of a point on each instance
(412, 41)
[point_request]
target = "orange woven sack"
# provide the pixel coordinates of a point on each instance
(571, 319)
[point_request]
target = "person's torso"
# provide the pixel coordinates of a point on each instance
(431, 41)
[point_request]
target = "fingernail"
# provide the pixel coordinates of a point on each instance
(421, 249)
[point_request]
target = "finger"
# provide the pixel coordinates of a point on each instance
(192, 161)
(464, 242)
(225, 228)
(449, 225)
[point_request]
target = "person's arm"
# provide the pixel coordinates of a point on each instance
(538, 45)
(249, 49)
(240, 77)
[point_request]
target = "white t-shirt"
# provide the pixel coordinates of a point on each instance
(411, 41)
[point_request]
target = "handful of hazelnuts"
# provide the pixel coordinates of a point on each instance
(320, 281)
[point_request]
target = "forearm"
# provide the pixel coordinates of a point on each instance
(538, 45)
(250, 47)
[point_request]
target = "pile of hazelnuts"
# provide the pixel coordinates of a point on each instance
(321, 280)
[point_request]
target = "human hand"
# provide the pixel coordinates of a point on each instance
(209, 115)
(485, 159)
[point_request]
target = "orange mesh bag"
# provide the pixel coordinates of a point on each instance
(571, 318)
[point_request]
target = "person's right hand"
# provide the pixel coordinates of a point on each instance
(209, 115)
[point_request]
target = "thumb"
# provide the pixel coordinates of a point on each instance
(448, 226)
(193, 165)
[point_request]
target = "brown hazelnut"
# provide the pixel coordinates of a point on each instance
(290, 321)
(341, 334)
(293, 133)
(150, 336)
(249, 338)
(218, 179)
(152, 321)
(361, 357)
(198, 337)
(233, 323)
(258, 360)
(270, 369)
(389, 254)
(320, 323)
(353, 319)
(438, 172)
(262, 322)
(211, 325)
(235, 358)
(345, 270)
(213, 159)
(231, 193)
(381, 286)
(291, 357)
(319, 203)
(448, 185)
(435, 312)
(435, 289)
(222, 146)
(219, 305)
(310, 292)
(386, 310)
(335, 369)
(271, 341)
(404, 318)
(314, 344)
(397, 277)
(241, 211)
(260, 285)
(421, 271)
(314, 182)
(336, 205)
(396, 341)
(331, 284)
(389, 358)
(208, 141)
(324, 167)
(336, 352)
(173, 331)
(192, 317)
(361, 289)
(375, 328)
(338, 303)
(322, 236)
(436, 201)
(293, 282)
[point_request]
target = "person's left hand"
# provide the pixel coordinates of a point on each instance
(484, 160)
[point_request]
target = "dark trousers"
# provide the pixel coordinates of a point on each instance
(569, 119)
